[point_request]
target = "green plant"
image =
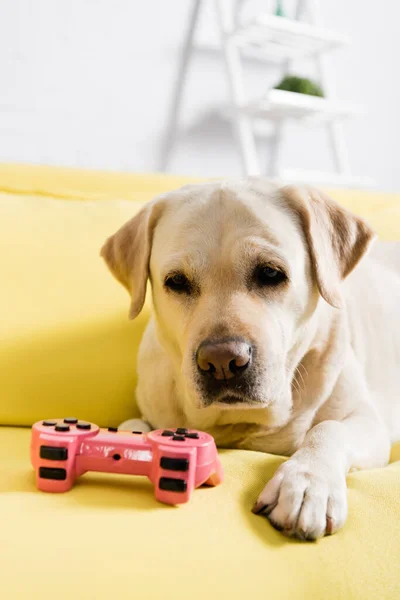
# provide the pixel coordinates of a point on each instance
(279, 9)
(301, 85)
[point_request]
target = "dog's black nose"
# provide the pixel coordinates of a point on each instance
(223, 359)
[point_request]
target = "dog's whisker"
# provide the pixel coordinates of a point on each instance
(304, 369)
(296, 382)
(296, 385)
(301, 377)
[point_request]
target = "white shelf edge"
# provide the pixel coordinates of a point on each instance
(281, 36)
(281, 104)
(299, 28)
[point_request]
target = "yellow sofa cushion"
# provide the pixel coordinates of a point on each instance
(108, 538)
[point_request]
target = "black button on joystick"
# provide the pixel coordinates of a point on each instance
(71, 420)
(49, 423)
(178, 438)
(61, 427)
(49, 473)
(167, 433)
(83, 425)
(113, 429)
(172, 485)
(174, 464)
(181, 431)
(192, 436)
(53, 453)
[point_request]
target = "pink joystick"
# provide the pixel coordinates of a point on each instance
(175, 460)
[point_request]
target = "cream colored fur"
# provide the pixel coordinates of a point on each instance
(328, 342)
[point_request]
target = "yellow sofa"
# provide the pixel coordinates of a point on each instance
(66, 347)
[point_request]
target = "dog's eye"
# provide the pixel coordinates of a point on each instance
(266, 275)
(178, 283)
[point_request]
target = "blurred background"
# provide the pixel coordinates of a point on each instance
(87, 83)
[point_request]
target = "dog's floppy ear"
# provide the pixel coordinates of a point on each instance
(336, 238)
(127, 253)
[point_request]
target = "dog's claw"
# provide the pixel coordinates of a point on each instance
(259, 507)
(329, 525)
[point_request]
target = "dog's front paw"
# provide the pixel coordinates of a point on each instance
(305, 499)
(135, 425)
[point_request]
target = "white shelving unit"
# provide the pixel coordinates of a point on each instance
(279, 104)
(285, 38)
(282, 40)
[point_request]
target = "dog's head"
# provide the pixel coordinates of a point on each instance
(237, 272)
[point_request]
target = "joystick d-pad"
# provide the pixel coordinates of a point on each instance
(180, 434)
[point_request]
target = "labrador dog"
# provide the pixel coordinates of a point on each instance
(272, 332)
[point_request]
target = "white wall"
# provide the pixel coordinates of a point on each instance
(87, 83)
